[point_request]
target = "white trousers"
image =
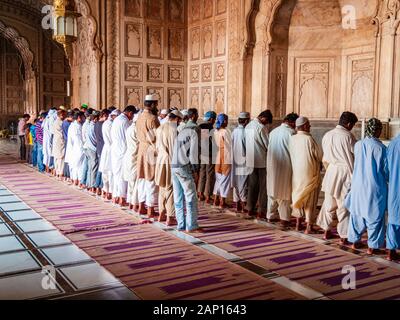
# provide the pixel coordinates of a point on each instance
(120, 186)
(133, 190)
(107, 181)
(148, 194)
(332, 210)
(278, 209)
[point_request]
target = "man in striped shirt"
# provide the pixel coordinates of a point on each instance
(39, 142)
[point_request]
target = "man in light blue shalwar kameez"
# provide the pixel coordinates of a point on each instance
(393, 227)
(367, 200)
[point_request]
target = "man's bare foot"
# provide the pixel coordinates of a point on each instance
(142, 208)
(274, 220)
(309, 229)
(216, 201)
(109, 196)
(136, 207)
(171, 221)
(392, 255)
(372, 251)
(150, 212)
(299, 225)
(223, 204)
(344, 242)
(200, 196)
(208, 200)
(356, 245)
(285, 224)
(328, 235)
(261, 215)
(162, 217)
(197, 230)
(122, 202)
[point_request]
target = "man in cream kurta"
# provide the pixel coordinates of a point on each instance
(130, 161)
(338, 146)
(306, 157)
(279, 168)
(165, 142)
(59, 143)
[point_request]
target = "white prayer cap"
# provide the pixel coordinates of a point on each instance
(151, 97)
(244, 115)
(177, 113)
(164, 111)
(301, 121)
(116, 112)
(185, 112)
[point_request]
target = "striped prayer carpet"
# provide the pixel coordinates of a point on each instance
(314, 265)
(149, 261)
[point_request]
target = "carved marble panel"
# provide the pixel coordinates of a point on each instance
(155, 9)
(133, 40)
(207, 41)
(175, 98)
(194, 10)
(134, 96)
(220, 38)
(159, 91)
(176, 74)
(206, 72)
(134, 71)
(176, 12)
(176, 44)
(208, 9)
(133, 8)
(195, 44)
(194, 98)
(194, 73)
(206, 99)
(221, 7)
(219, 73)
(155, 72)
(154, 42)
(219, 99)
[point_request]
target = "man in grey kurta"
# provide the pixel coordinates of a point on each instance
(279, 167)
(256, 160)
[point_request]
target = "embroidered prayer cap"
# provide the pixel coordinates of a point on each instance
(301, 121)
(244, 115)
(373, 125)
(151, 97)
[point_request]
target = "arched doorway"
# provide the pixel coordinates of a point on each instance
(18, 82)
(313, 61)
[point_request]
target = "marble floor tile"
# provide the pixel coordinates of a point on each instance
(13, 206)
(23, 215)
(67, 254)
(10, 243)
(47, 238)
(17, 262)
(4, 192)
(119, 293)
(88, 276)
(5, 230)
(35, 225)
(25, 286)
(10, 198)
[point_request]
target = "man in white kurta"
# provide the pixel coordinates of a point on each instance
(59, 143)
(47, 138)
(74, 152)
(279, 168)
(306, 157)
(240, 173)
(118, 150)
(129, 166)
(338, 146)
(105, 161)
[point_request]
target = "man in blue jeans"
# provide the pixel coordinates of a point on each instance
(185, 166)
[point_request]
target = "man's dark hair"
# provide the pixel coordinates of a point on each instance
(26, 116)
(105, 112)
(76, 110)
(243, 120)
(78, 114)
(291, 117)
(267, 114)
(348, 117)
(150, 104)
(192, 112)
(70, 113)
(112, 108)
(43, 115)
(130, 108)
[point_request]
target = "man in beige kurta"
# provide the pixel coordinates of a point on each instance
(166, 137)
(338, 146)
(59, 143)
(306, 157)
(147, 125)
